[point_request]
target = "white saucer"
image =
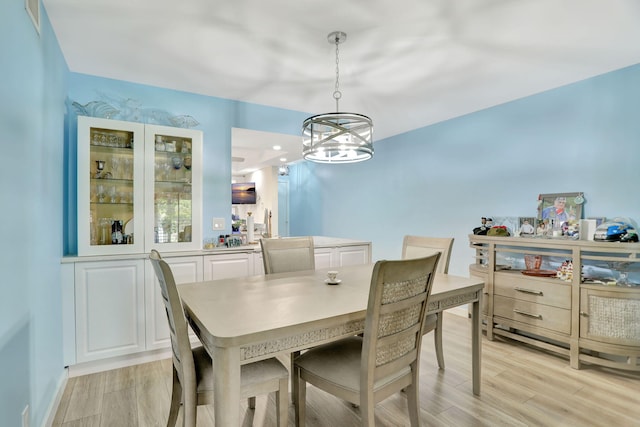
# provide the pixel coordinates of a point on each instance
(329, 282)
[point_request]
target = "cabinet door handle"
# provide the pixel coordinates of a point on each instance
(584, 314)
(524, 313)
(528, 291)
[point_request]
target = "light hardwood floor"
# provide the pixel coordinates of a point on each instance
(521, 386)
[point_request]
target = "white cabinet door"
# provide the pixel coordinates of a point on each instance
(341, 256)
(224, 266)
(353, 255)
(324, 257)
(185, 270)
(110, 186)
(173, 189)
(109, 309)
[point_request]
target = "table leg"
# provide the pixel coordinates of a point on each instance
(226, 386)
(476, 343)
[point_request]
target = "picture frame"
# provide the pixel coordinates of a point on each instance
(243, 193)
(599, 219)
(527, 226)
(563, 207)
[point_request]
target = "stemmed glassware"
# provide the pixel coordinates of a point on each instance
(100, 189)
(128, 171)
(176, 162)
(115, 166)
(113, 194)
(167, 170)
(99, 168)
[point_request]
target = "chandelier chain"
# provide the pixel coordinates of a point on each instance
(337, 94)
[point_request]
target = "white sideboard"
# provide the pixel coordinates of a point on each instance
(112, 312)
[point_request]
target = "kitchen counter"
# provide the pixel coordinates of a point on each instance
(318, 241)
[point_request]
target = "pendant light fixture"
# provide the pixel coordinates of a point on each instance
(337, 137)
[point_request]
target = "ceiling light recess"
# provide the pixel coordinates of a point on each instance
(337, 137)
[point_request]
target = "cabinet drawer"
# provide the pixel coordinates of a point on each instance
(535, 290)
(544, 316)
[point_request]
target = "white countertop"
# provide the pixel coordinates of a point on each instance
(318, 242)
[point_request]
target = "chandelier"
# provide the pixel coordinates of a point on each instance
(283, 170)
(337, 137)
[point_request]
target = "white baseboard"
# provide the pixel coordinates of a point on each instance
(118, 362)
(55, 402)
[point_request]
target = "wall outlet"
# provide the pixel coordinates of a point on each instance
(218, 223)
(25, 416)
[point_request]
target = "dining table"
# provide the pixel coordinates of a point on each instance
(246, 319)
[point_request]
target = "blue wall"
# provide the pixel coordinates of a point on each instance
(32, 90)
(439, 180)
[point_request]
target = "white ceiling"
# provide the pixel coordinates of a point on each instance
(253, 150)
(406, 63)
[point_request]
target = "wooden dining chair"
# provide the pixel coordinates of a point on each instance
(288, 254)
(416, 247)
(365, 370)
(193, 368)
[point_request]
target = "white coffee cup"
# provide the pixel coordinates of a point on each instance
(332, 276)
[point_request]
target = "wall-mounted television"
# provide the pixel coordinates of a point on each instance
(243, 193)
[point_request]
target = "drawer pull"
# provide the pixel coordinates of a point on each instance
(524, 313)
(528, 291)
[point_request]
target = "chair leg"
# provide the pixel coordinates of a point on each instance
(282, 403)
(437, 339)
(293, 379)
(413, 404)
(300, 399)
(367, 411)
(190, 407)
(176, 397)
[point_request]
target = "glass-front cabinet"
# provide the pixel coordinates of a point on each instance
(139, 187)
(173, 189)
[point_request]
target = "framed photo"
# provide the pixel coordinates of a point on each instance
(527, 226)
(562, 207)
(599, 220)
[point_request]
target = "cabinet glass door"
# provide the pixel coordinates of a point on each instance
(173, 183)
(110, 205)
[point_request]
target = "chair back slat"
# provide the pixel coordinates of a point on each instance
(288, 254)
(420, 247)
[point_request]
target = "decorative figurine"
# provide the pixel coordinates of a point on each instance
(484, 227)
